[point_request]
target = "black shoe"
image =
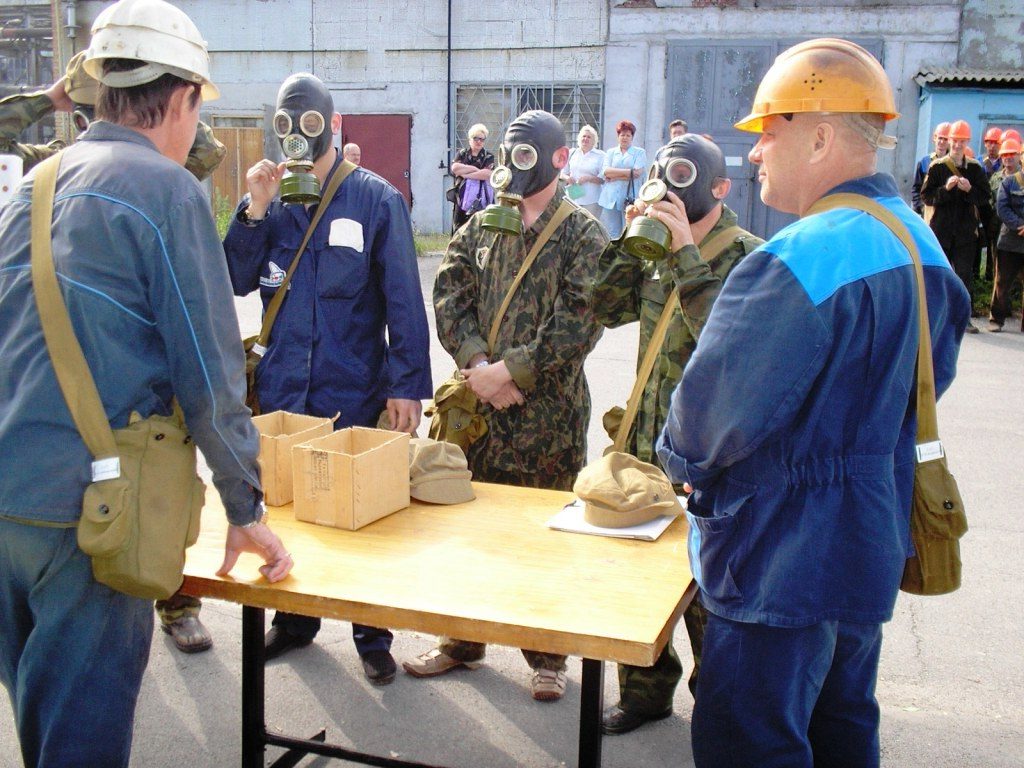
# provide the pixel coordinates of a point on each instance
(972, 328)
(279, 641)
(618, 720)
(379, 667)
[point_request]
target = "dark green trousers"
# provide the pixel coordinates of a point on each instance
(649, 690)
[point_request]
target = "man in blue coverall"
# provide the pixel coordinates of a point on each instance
(795, 436)
(357, 279)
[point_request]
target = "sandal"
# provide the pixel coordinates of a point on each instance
(548, 685)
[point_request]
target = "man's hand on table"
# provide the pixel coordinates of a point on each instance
(259, 540)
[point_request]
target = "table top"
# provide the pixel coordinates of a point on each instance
(488, 570)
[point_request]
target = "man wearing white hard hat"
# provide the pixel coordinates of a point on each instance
(140, 268)
(797, 440)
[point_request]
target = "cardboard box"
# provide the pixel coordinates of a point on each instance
(279, 432)
(352, 477)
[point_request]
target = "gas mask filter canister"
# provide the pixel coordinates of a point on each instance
(688, 166)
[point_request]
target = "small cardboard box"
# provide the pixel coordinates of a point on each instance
(352, 477)
(279, 432)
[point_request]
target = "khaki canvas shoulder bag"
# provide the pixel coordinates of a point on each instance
(937, 516)
(142, 509)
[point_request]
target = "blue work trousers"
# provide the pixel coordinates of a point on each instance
(72, 651)
(771, 696)
(366, 638)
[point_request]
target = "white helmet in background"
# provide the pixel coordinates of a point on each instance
(153, 32)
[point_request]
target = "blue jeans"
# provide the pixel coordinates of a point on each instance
(799, 698)
(72, 651)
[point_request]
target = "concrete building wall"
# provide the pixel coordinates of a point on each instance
(993, 31)
(913, 33)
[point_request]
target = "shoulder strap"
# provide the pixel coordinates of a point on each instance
(73, 375)
(260, 347)
(951, 165)
(560, 215)
(709, 252)
(1019, 176)
(927, 421)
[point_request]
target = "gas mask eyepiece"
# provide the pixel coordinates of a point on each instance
(688, 166)
(300, 124)
(524, 168)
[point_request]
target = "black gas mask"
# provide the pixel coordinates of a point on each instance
(82, 116)
(302, 125)
(688, 166)
(524, 168)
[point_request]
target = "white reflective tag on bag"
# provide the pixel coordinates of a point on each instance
(106, 469)
(929, 451)
(10, 175)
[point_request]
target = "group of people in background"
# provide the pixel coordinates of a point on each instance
(602, 182)
(974, 206)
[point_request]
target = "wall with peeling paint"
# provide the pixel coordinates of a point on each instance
(992, 35)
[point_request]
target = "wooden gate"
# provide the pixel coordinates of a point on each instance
(244, 150)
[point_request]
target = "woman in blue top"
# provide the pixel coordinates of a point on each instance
(621, 164)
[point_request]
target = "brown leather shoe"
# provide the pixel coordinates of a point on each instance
(434, 663)
(189, 634)
(617, 720)
(547, 684)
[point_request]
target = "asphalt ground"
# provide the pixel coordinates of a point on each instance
(951, 679)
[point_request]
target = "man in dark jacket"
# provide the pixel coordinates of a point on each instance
(357, 278)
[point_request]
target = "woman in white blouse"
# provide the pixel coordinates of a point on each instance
(582, 174)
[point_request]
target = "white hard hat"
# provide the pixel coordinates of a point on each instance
(154, 32)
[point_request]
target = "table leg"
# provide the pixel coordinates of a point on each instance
(591, 705)
(254, 724)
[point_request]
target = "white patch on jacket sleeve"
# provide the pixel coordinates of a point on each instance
(346, 233)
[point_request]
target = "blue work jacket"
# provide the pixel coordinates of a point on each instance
(357, 277)
(795, 421)
(142, 273)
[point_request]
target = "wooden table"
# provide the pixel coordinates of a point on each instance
(488, 570)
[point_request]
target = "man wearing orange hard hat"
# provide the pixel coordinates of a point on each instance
(1008, 184)
(941, 138)
(800, 458)
(958, 189)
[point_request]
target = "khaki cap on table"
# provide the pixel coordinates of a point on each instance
(620, 490)
(438, 472)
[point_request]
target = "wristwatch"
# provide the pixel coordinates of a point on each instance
(247, 220)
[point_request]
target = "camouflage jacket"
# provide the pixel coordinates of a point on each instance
(630, 289)
(17, 113)
(545, 336)
(20, 111)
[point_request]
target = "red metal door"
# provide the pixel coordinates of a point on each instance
(385, 142)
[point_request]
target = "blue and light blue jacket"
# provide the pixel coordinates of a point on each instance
(142, 272)
(357, 277)
(794, 421)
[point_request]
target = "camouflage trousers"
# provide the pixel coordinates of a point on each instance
(649, 690)
(466, 650)
(176, 606)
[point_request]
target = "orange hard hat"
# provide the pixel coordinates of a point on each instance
(822, 75)
(961, 129)
(1009, 147)
(1011, 133)
(993, 134)
(942, 131)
